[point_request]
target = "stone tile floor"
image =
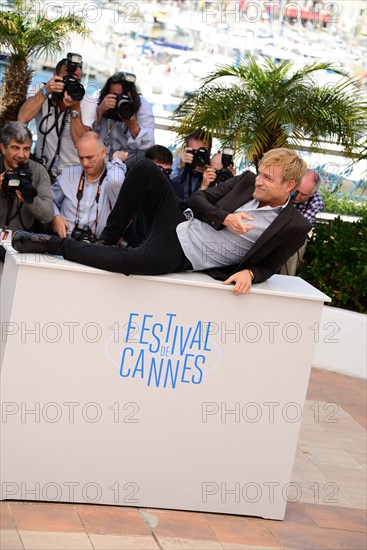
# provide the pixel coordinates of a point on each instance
(327, 507)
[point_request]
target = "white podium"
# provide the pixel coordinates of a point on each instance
(164, 392)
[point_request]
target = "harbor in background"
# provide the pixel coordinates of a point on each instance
(172, 45)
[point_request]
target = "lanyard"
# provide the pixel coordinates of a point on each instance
(79, 196)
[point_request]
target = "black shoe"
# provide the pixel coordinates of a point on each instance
(30, 242)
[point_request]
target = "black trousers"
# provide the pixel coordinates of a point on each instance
(146, 189)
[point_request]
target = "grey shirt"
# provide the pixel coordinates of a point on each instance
(206, 247)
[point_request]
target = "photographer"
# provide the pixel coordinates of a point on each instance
(84, 195)
(63, 114)
(25, 185)
(221, 167)
(189, 172)
(124, 120)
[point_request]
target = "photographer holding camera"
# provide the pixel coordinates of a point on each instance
(24, 184)
(222, 164)
(62, 113)
(84, 195)
(124, 120)
(195, 171)
(190, 171)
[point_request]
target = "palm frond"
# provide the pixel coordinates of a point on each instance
(24, 33)
(264, 105)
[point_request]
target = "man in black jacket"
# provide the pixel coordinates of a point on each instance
(241, 231)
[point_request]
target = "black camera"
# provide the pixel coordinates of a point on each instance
(19, 179)
(72, 84)
(83, 234)
(201, 157)
(227, 160)
(124, 109)
(73, 87)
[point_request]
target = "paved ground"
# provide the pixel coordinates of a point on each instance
(328, 508)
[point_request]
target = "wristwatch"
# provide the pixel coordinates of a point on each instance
(74, 114)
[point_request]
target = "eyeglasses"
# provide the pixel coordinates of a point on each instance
(166, 171)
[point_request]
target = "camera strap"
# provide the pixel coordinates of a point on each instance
(60, 132)
(10, 202)
(108, 139)
(18, 212)
(79, 196)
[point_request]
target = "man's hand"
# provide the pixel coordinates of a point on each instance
(133, 126)
(186, 158)
(208, 177)
(122, 155)
(71, 103)
(59, 225)
(19, 195)
(235, 224)
(1, 179)
(55, 84)
(109, 102)
(242, 280)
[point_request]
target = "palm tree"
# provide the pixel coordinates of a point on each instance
(24, 34)
(268, 105)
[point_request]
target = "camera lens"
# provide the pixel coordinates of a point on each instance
(74, 88)
(125, 107)
(28, 194)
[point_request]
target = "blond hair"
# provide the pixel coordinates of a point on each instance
(293, 167)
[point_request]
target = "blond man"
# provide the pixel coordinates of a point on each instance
(240, 232)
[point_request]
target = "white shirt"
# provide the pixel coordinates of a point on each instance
(46, 118)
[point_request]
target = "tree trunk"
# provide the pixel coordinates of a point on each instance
(17, 78)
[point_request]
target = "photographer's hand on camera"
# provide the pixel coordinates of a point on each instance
(19, 196)
(17, 193)
(71, 103)
(133, 126)
(33, 105)
(55, 85)
(60, 225)
(109, 102)
(209, 176)
(186, 158)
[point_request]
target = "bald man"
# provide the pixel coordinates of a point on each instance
(84, 195)
(306, 199)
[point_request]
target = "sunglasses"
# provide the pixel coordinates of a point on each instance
(166, 171)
